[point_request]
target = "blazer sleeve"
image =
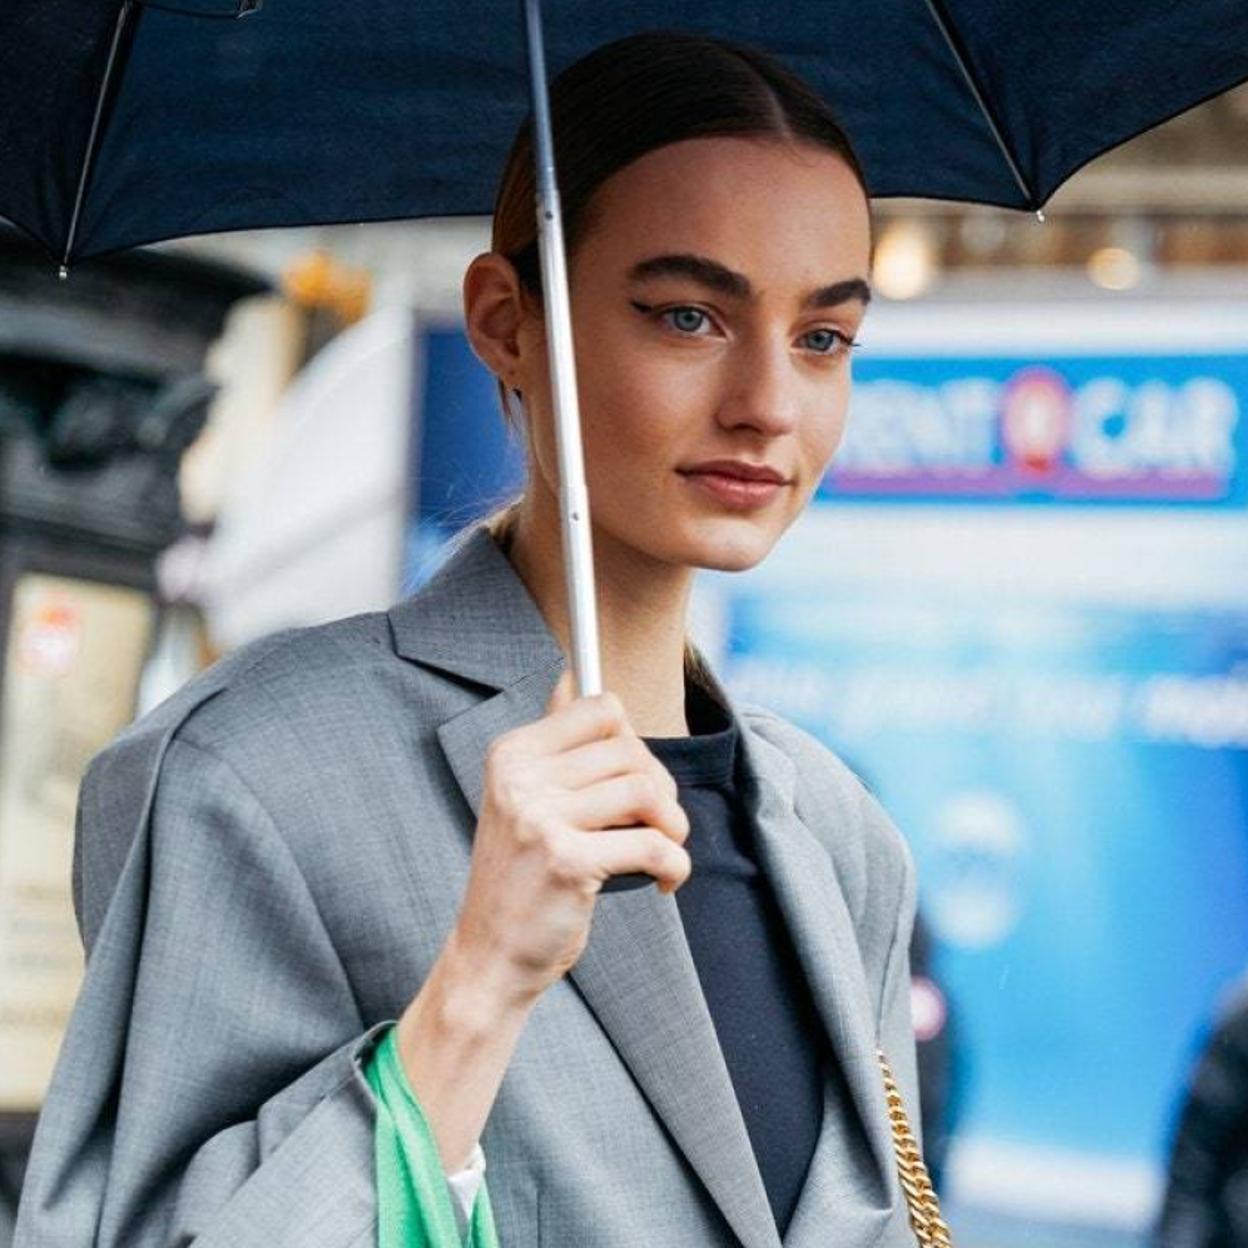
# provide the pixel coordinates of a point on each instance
(210, 1087)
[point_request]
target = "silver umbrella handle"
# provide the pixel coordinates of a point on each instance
(578, 555)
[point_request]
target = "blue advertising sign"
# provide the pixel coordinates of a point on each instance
(1050, 697)
(1076, 429)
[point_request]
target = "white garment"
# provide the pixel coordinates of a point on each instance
(464, 1185)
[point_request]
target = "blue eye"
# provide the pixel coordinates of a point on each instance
(686, 320)
(824, 341)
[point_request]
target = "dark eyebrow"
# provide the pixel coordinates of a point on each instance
(839, 292)
(726, 281)
(709, 273)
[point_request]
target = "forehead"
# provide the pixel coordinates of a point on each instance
(770, 209)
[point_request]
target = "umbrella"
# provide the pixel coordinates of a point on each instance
(129, 121)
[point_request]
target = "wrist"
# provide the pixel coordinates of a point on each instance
(482, 985)
(467, 1001)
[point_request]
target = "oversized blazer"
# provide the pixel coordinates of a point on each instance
(266, 867)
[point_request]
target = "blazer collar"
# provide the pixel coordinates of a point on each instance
(475, 618)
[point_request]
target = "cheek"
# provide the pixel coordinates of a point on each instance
(823, 436)
(825, 431)
(837, 425)
(631, 401)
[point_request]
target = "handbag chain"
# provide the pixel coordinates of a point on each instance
(929, 1228)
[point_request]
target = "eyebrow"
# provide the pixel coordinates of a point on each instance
(725, 281)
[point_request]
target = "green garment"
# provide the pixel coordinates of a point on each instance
(414, 1208)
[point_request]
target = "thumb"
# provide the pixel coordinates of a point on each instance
(564, 692)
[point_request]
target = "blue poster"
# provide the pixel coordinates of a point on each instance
(1057, 429)
(1019, 608)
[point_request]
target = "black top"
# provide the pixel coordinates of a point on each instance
(759, 1001)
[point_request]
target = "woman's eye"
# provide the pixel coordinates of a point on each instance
(686, 320)
(824, 341)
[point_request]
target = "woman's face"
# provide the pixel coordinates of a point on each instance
(714, 295)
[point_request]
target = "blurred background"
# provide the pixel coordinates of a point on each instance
(1018, 607)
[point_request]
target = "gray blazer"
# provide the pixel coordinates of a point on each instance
(266, 867)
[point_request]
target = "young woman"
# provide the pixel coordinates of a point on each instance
(343, 894)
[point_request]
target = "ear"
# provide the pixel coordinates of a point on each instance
(497, 310)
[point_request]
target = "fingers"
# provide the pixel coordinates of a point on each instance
(621, 851)
(623, 801)
(584, 788)
(600, 760)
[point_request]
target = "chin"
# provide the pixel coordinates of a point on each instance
(730, 545)
(719, 544)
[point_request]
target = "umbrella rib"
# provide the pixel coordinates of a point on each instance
(935, 9)
(93, 139)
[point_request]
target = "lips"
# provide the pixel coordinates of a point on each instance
(733, 491)
(739, 469)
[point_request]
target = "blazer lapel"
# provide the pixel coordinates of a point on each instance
(850, 1187)
(475, 618)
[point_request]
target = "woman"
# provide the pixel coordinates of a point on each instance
(406, 817)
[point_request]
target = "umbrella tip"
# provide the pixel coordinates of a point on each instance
(1040, 215)
(63, 272)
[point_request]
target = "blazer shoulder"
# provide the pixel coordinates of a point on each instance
(248, 689)
(293, 659)
(873, 860)
(240, 708)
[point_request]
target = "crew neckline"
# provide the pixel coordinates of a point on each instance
(708, 755)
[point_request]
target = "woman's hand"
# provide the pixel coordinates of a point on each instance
(568, 800)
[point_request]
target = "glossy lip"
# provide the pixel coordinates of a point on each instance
(736, 468)
(735, 492)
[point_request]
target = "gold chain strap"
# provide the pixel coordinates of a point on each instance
(929, 1229)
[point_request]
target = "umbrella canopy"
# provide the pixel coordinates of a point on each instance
(129, 121)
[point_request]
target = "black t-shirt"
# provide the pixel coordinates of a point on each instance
(773, 1044)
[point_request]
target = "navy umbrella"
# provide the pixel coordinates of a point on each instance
(128, 121)
(124, 123)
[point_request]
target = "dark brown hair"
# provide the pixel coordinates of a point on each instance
(638, 94)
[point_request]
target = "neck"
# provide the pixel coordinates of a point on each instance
(642, 604)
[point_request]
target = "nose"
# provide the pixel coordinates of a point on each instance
(763, 387)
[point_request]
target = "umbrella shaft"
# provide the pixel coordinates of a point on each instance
(573, 494)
